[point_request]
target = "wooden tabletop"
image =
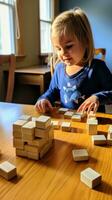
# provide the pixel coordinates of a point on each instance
(33, 70)
(56, 176)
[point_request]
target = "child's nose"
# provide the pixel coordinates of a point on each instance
(63, 52)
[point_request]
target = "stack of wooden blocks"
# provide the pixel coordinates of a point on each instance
(32, 139)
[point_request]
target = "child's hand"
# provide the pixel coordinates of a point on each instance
(43, 106)
(90, 104)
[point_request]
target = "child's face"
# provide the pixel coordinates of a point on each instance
(69, 50)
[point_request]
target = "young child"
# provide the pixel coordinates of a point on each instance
(82, 82)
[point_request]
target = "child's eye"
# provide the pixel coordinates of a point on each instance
(69, 46)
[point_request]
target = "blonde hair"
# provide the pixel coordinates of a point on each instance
(75, 23)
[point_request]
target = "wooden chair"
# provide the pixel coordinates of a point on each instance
(54, 60)
(11, 60)
(102, 52)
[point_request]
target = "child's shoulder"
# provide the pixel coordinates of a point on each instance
(97, 63)
(59, 66)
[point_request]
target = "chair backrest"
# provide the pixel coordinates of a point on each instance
(54, 59)
(11, 60)
(100, 51)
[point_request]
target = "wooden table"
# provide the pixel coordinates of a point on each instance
(56, 176)
(35, 75)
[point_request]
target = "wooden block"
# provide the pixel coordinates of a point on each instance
(20, 152)
(38, 142)
(43, 133)
(110, 131)
(25, 117)
(68, 114)
(34, 156)
(80, 154)
(66, 126)
(43, 122)
(56, 124)
(17, 134)
(76, 117)
(82, 114)
(90, 177)
(28, 131)
(7, 170)
(18, 125)
(18, 143)
(92, 126)
(45, 149)
(30, 148)
(62, 110)
(91, 115)
(99, 139)
(109, 140)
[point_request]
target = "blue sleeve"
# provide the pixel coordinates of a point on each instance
(53, 91)
(105, 78)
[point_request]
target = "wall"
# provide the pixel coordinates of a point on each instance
(100, 16)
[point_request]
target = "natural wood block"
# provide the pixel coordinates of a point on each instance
(91, 114)
(109, 139)
(43, 133)
(30, 148)
(92, 126)
(90, 177)
(82, 114)
(17, 134)
(66, 126)
(76, 117)
(80, 154)
(18, 125)
(43, 122)
(25, 117)
(56, 124)
(68, 114)
(38, 142)
(62, 110)
(20, 152)
(7, 170)
(28, 131)
(99, 139)
(18, 143)
(45, 149)
(32, 155)
(110, 131)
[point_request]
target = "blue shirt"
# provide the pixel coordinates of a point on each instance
(73, 90)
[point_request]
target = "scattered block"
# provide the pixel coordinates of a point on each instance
(92, 126)
(109, 139)
(56, 124)
(62, 110)
(91, 115)
(90, 177)
(43, 122)
(110, 131)
(7, 170)
(76, 117)
(99, 139)
(68, 114)
(66, 126)
(80, 154)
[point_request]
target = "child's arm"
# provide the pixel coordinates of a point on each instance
(46, 101)
(104, 77)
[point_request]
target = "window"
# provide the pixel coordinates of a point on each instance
(7, 37)
(46, 16)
